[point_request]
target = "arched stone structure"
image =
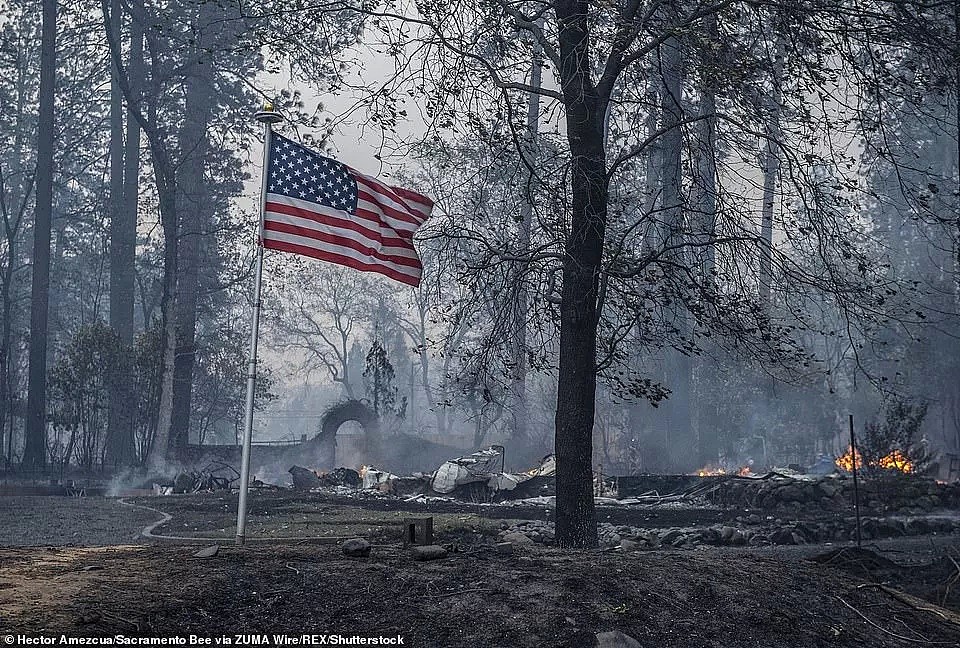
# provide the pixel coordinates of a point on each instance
(352, 410)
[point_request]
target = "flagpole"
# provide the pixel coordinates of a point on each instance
(268, 117)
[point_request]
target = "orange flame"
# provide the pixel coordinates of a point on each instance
(846, 462)
(710, 471)
(896, 460)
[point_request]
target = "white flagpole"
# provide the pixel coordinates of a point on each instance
(268, 117)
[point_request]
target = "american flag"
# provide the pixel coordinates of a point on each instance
(322, 208)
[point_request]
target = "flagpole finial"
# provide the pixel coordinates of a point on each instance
(268, 115)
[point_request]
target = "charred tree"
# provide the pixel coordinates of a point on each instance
(708, 442)
(518, 374)
(119, 449)
(679, 367)
(194, 207)
(586, 108)
(35, 455)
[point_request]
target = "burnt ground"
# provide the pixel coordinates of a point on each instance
(536, 596)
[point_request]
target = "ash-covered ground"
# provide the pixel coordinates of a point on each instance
(709, 570)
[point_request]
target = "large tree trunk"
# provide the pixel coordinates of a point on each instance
(14, 206)
(679, 367)
(583, 252)
(194, 205)
(708, 444)
(166, 193)
(119, 445)
(35, 452)
(518, 370)
(164, 172)
(771, 170)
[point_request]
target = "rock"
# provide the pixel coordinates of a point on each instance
(183, 483)
(726, 533)
(753, 519)
(303, 479)
(428, 552)
(207, 552)
(791, 494)
(828, 489)
(504, 548)
(355, 548)
(670, 537)
(616, 639)
(782, 537)
(517, 538)
(614, 539)
(925, 503)
(629, 545)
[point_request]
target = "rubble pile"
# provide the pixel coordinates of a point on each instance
(903, 493)
(476, 477)
(752, 530)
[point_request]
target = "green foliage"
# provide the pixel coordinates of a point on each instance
(86, 371)
(80, 386)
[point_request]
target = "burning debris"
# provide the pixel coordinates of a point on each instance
(894, 460)
(711, 471)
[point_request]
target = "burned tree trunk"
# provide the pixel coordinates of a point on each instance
(708, 442)
(193, 206)
(583, 252)
(679, 367)
(35, 452)
(518, 373)
(119, 450)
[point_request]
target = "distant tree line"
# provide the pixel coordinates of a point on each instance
(666, 234)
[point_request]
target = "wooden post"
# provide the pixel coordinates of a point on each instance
(856, 485)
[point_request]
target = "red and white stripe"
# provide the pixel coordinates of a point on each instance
(379, 238)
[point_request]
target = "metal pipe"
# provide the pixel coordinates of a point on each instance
(268, 117)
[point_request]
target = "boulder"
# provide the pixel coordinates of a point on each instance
(355, 548)
(207, 552)
(616, 639)
(517, 538)
(629, 545)
(782, 537)
(671, 536)
(428, 552)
